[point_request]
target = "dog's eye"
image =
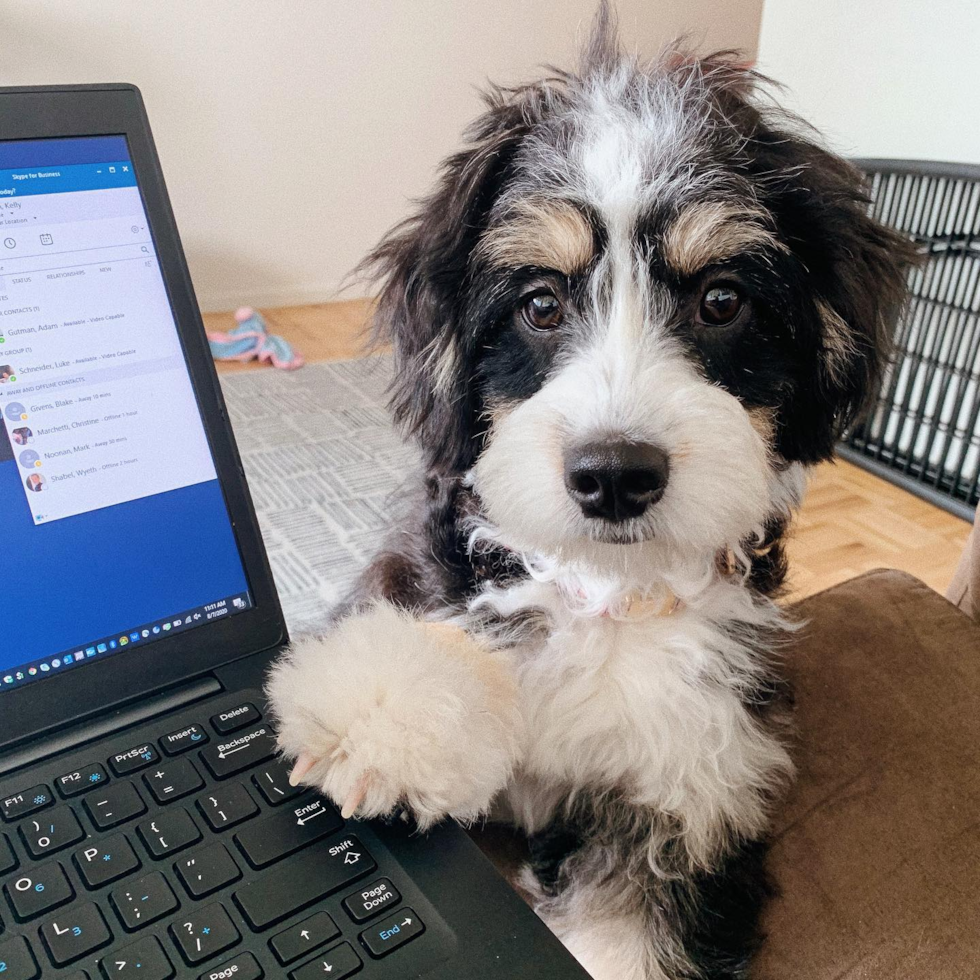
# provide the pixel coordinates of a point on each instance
(720, 305)
(542, 311)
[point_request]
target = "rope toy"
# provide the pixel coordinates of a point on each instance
(251, 341)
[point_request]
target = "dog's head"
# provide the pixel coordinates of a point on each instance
(635, 300)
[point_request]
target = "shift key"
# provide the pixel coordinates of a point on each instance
(287, 831)
(302, 880)
(240, 751)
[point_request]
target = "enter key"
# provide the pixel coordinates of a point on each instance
(287, 831)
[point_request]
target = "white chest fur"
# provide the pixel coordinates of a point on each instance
(653, 707)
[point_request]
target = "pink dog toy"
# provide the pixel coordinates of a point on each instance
(251, 340)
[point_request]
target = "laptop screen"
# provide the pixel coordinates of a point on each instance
(113, 525)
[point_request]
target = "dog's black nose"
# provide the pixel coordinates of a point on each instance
(617, 480)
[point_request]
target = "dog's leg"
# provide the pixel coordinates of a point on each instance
(388, 711)
(624, 921)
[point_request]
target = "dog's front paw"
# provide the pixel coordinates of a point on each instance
(388, 711)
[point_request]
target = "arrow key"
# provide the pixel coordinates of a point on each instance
(304, 936)
(395, 931)
(336, 963)
(144, 960)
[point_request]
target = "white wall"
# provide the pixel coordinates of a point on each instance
(887, 78)
(294, 132)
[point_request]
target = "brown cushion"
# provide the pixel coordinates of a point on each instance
(877, 848)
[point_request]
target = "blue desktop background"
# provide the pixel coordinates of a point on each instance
(83, 578)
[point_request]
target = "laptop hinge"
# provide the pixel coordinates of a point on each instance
(76, 735)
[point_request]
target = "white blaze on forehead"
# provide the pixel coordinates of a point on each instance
(612, 162)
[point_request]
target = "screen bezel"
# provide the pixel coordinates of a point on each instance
(91, 689)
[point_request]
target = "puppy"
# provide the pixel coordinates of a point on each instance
(639, 304)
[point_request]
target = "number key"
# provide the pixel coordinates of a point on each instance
(204, 933)
(51, 831)
(17, 961)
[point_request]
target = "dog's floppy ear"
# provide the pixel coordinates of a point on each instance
(423, 264)
(852, 268)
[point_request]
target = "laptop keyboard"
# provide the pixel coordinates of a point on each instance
(190, 855)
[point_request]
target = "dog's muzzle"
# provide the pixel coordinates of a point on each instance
(616, 481)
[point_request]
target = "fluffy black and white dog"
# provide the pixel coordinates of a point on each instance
(638, 305)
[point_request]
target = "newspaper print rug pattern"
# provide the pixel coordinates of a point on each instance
(323, 462)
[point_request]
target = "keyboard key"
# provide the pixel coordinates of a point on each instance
(114, 805)
(385, 936)
(371, 900)
(307, 935)
(75, 933)
(77, 975)
(141, 902)
(287, 831)
(41, 890)
(303, 880)
(51, 831)
(17, 961)
(172, 780)
(29, 801)
(272, 781)
(109, 860)
(240, 752)
(143, 960)
(8, 860)
(235, 718)
(204, 933)
(81, 780)
(336, 963)
(134, 759)
(207, 871)
(169, 833)
(186, 738)
(243, 967)
(227, 806)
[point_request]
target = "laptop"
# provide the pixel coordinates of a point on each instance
(147, 828)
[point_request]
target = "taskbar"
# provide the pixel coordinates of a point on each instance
(124, 640)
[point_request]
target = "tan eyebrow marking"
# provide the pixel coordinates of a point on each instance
(713, 231)
(550, 234)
